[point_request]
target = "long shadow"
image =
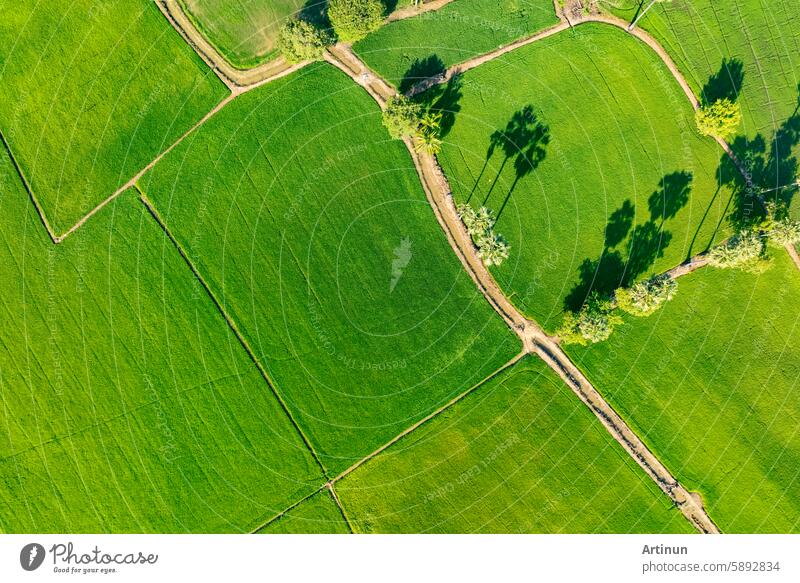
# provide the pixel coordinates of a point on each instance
(420, 69)
(523, 140)
(630, 250)
(444, 100)
(725, 83)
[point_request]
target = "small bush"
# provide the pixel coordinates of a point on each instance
(300, 41)
(645, 297)
(492, 248)
(720, 119)
(354, 19)
(785, 231)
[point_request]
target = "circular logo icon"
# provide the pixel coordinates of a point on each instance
(31, 556)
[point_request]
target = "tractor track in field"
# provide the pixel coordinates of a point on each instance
(534, 339)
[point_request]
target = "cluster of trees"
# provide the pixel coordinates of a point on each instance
(406, 119)
(492, 247)
(599, 316)
(301, 39)
(747, 249)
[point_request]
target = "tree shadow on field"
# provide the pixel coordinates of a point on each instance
(444, 100)
(421, 69)
(315, 12)
(628, 250)
(725, 83)
(524, 140)
(771, 172)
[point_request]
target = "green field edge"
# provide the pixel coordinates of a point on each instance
(29, 190)
(339, 505)
(231, 324)
(237, 64)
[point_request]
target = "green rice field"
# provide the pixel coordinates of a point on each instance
(128, 405)
(311, 228)
(317, 515)
(521, 454)
(711, 384)
(407, 50)
(567, 141)
(90, 93)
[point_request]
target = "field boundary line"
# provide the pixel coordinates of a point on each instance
(428, 417)
(286, 510)
(534, 339)
(29, 190)
(232, 325)
(338, 502)
(132, 182)
(395, 439)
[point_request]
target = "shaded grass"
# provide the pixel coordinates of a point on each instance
(127, 404)
(521, 454)
(711, 384)
(457, 32)
(312, 229)
(90, 93)
(585, 147)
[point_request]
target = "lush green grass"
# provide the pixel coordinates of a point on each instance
(128, 406)
(711, 383)
(520, 454)
(294, 205)
(578, 189)
(425, 44)
(90, 92)
(317, 515)
(744, 48)
(245, 32)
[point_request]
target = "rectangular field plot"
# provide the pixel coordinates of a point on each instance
(405, 51)
(245, 32)
(90, 92)
(584, 147)
(128, 405)
(310, 226)
(521, 454)
(317, 515)
(711, 384)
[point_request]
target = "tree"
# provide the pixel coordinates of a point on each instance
(428, 139)
(719, 119)
(492, 248)
(300, 40)
(785, 231)
(781, 229)
(594, 323)
(643, 12)
(402, 117)
(354, 19)
(645, 297)
(745, 250)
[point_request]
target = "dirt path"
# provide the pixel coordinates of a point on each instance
(410, 11)
(235, 79)
(534, 340)
(790, 249)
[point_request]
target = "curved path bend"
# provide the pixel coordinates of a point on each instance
(534, 339)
